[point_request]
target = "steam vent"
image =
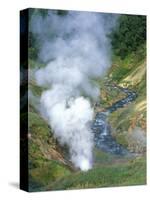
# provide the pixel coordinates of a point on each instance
(82, 100)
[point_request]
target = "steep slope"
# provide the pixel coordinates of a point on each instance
(49, 165)
(47, 159)
(129, 123)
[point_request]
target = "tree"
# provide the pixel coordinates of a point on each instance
(129, 34)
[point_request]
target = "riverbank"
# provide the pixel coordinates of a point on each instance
(49, 167)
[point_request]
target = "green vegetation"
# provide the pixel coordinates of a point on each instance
(109, 95)
(129, 72)
(46, 162)
(131, 173)
(102, 158)
(46, 173)
(49, 168)
(122, 67)
(38, 126)
(130, 34)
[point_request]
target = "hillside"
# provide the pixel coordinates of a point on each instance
(50, 165)
(129, 123)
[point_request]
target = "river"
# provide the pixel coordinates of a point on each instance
(102, 129)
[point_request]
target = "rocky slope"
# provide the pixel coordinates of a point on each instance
(49, 165)
(129, 123)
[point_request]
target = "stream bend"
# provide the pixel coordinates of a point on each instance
(102, 130)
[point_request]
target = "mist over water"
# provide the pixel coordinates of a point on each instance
(77, 49)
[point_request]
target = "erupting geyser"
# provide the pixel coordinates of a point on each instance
(76, 49)
(85, 165)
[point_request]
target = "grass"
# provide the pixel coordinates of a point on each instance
(36, 90)
(46, 164)
(128, 72)
(46, 160)
(34, 64)
(132, 173)
(123, 67)
(37, 125)
(47, 172)
(126, 119)
(51, 174)
(101, 157)
(48, 167)
(108, 95)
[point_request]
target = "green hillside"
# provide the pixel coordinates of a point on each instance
(129, 123)
(49, 164)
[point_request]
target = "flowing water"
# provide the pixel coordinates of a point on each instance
(102, 130)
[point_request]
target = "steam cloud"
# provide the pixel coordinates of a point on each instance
(76, 49)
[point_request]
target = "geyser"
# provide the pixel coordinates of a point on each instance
(76, 50)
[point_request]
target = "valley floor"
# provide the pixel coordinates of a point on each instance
(120, 173)
(49, 168)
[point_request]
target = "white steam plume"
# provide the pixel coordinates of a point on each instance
(77, 50)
